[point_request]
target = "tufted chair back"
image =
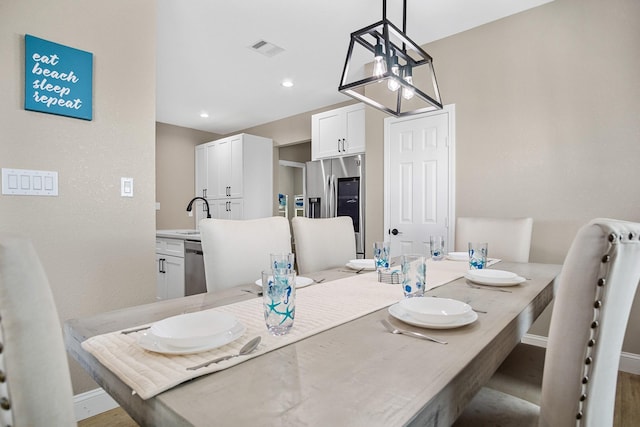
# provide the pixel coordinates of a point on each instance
(236, 251)
(595, 291)
(35, 386)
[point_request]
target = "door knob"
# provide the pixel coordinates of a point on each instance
(395, 232)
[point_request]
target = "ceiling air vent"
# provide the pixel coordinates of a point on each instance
(266, 48)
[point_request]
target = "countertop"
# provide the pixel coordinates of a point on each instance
(179, 234)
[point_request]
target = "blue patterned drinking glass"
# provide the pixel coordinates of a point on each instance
(478, 255)
(436, 245)
(282, 260)
(279, 300)
(414, 275)
(381, 255)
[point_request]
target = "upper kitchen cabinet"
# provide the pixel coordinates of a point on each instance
(235, 174)
(339, 132)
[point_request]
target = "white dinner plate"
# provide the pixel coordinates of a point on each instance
(435, 310)
(458, 256)
(197, 329)
(150, 342)
(492, 277)
(399, 313)
(301, 282)
(362, 264)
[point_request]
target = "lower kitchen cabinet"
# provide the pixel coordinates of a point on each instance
(170, 277)
(169, 268)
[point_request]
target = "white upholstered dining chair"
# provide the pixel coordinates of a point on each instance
(236, 251)
(323, 243)
(35, 385)
(509, 238)
(594, 293)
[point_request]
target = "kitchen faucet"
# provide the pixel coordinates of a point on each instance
(206, 203)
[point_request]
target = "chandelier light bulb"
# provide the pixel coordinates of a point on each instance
(379, 64)
(392, 84)
(408, 93)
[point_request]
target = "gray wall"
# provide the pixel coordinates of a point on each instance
(96, 247)
(175, 173)
(547, 123)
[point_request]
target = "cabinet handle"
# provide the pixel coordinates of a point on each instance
(161, 265)
(344, 150)
(338, 145)
(204, 193)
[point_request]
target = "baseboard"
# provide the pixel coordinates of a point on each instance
(629, 362)
(92, 403)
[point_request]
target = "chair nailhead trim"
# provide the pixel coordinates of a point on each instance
(594, 324)
(591, 343)
(612, 237)
(5, 404)
(606, 258)
(585, 380)
(579, 415)
(588, 360)
(602, 281)
(583, 397)
(597, 304)
(3, 377)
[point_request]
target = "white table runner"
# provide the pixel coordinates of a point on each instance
(318, 308)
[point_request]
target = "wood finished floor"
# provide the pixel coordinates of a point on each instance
(627, 412)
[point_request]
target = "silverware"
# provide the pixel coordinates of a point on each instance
(319, 280)
(353, 271)
(130, 331)
(259, 293)
(395, 330)
(246, 349)
(487, 288)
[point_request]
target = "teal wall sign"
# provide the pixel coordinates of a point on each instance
(57, 79)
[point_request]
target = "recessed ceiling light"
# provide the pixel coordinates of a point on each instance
(204, 115)
(287, 83)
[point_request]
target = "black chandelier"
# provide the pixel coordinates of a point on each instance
(400, 80)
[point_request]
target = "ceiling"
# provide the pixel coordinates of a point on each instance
(205, 62)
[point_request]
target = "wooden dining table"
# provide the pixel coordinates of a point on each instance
(354, 374)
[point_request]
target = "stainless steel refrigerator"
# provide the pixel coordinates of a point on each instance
(335, 187)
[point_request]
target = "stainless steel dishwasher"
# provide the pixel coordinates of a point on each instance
(194, 278)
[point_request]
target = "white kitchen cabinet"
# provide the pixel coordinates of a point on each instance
(201, 171)
(226, 171)
(339, 132)
(238, 170)
(227, 209)
(169, 268)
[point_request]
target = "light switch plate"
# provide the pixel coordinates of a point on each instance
(126, 187)
(24, 182)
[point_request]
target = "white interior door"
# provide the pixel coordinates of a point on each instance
(419, 180)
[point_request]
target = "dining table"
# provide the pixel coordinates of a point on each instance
(352, 372)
